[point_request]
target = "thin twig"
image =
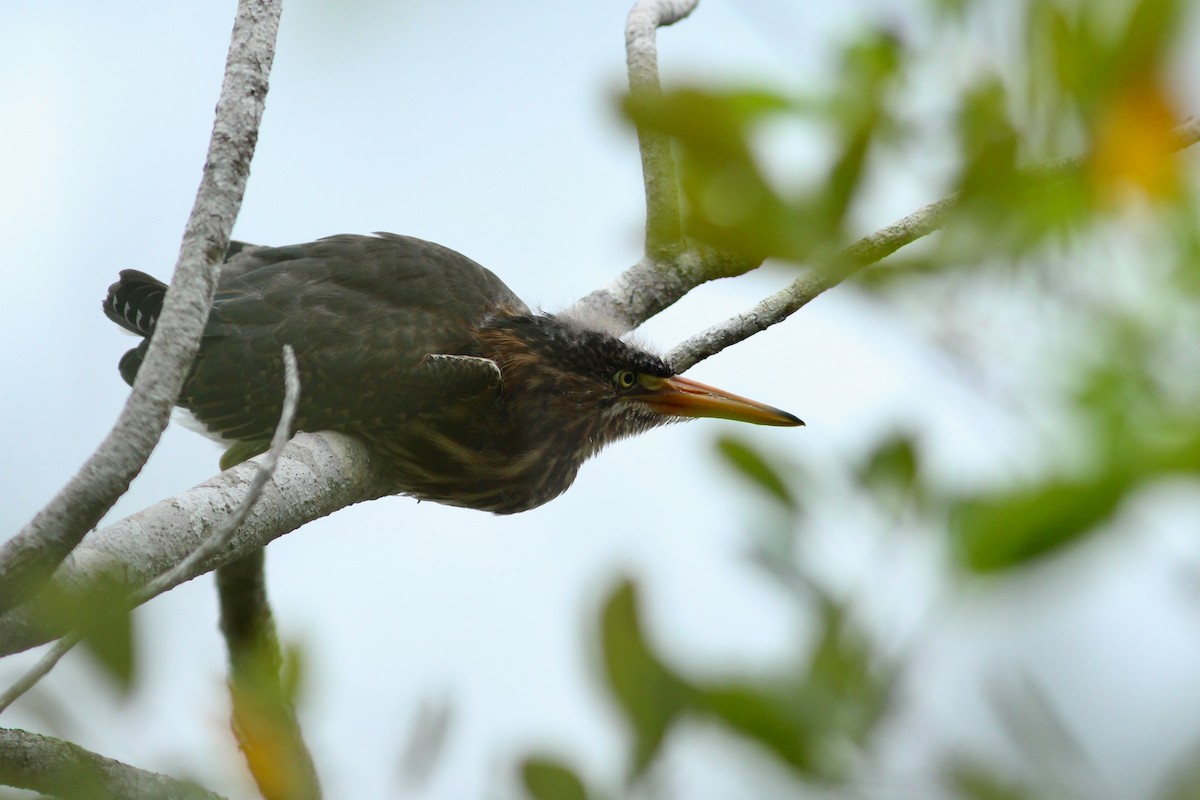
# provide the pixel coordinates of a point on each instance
(206, 550)
(264, 720)
(44, 764)
(786, 302)
(28, 559)
(868, 250)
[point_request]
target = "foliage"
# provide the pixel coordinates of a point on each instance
(1074, 219)
(1109, 356)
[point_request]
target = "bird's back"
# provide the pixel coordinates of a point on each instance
(363, 313)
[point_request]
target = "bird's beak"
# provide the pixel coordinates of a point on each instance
(682, 397)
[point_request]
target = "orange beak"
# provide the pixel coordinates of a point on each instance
(682, 397)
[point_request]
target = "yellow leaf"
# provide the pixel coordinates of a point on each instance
(1134, 143)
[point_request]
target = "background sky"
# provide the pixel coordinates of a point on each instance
(490, 128)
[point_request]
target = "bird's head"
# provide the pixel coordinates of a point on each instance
(600, 388)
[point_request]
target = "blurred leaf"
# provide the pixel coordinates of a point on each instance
(891, 471)
(547, 779)
(1134, 141)
(951, 9)
(711, 121)
(1035, 726)
(823, 710)
(973, 781)
(650, 696)
(100, 612)
(988, 139)
(293, 670)
(1182, 781)
(110, 641)
(845, 665)
(728, 201)
(1004, 210)
(1008, 530)
(753, 466)
(766, 719)
(426, 740)
(870, 67)
(1147, 37)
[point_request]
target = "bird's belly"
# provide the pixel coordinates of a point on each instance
(434, 466)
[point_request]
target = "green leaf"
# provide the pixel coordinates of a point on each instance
(650, 696)
(109, 639)
(547, 779)
(728, 202)
(974, 781)
(814, 717)
(293, 671)
(766, 719)
(100, 612)
(1148, 36)
(755, 467)
(892, 468)
(1009, 530)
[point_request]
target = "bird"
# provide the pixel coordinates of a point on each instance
(465, 395)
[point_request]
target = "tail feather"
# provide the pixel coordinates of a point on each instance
(135, 301)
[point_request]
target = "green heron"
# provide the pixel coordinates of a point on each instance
(467, 397)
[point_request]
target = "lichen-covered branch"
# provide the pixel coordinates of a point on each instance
(317, 475)
(28, 559)
(64, 770)
(208, 548)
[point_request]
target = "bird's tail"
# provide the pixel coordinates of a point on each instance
(135, 301)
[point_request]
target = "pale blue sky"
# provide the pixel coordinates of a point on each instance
(488, 127)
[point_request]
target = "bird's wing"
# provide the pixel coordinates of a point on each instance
(381, 327)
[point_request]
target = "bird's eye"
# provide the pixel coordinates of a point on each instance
(625, 379)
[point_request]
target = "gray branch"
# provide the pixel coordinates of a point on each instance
(673, 265)
(208, 548)
(663, 227)
(28, 559)
(317, 475)
(64, 770)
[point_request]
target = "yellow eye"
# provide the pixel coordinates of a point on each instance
(625, 379)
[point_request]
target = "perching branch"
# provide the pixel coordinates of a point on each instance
(317, 475)
(67, 771)
(28, 559)
(207, 549)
